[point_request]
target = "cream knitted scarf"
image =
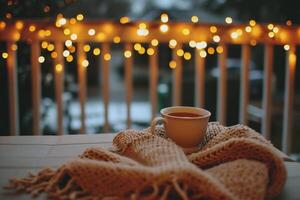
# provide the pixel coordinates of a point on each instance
(232, 163)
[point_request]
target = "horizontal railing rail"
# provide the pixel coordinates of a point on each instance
(197, 35)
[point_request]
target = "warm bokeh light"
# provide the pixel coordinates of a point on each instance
(192, 44)
(53, 55)
(50, 47)
(164, 18)
(228, 20)
(66, 53)
(150, 51)
(14, 47)
(67, 31)
(127, 54)
(96, 51)
(179, 52)
(234, 35)
(142, 50)
(172, 64)
(73, 21)
(164, 28)
(194, 19)
(211, 50)
(248, 29)
(91, 32)
(216, 38)
(68, 43)
(271, 34)
(270, 26)
(4, 55)
(85, 63)
(172, 43)
(185, 31)
(275, 29)
(213, 29)
(202, 53)
(80, 17)
(286, 47)
(107, 56)
(124, 20)
(19, 25)
(187, 56)
(252, 22)
(201, 45)
(58, 68)
(69, 58)
(44, 45)
(117, 39)
(73, 36)
(41, 59)
(86, 48)
(31, 28)
(219, 49)
(154, 42)
(2, 25)
(137, 46)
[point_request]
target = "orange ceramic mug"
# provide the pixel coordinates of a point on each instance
(186, 126)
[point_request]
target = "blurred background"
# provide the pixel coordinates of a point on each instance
(284, 12)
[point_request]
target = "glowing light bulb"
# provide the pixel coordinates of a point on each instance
(54, 55)
(187, 56)
(202, 53)
(85, 63)
(271, 34)
(142, 50)
(86, 48)
(4, 55)
(50, 47)
(211, 50)
(185, 31)
(270, 26)
(31, 28)
(252, 22)
(248, 29)
(58, 68)
(80, 17)
(69, 58)
(234, 35)
(192, 44)
(164, 28)
(107, 56)
(213, 29)
(275, 29)
(219, 49)
(117, 39)
(172, 43)
(68, 43)
(201, 45)
(216, 38)
(14, 47)
(2, 25)
(150, 51)
(66, 53)
(180, 52)
(286, 47)
(19, 25)
(73, 36)
(164, 18)
(96, 51)
(228, 20)
(124, 20)
(137, 46)
(44, 44)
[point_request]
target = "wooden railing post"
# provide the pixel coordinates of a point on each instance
(244, 88)
(289, 99)
(177, 77)
(128, 82)
(222, 86)
(199, 79)
(153, 69)
(105, 82)
(59, 86)
(267, 91)
(12, 90)
(36, 87)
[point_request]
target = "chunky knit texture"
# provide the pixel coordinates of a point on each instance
(232, 163)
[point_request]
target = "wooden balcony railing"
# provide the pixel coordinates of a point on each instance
(34, 32)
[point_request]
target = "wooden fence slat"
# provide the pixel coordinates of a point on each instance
(222, 86)
(289, 99)
(59, 86)
(153, 71)
(267, 91)
(81, 57)
(128, 83)
(105, 82)
(36, 87)
(177, 77)
(244, 88)
(199, 79)
(12, 90)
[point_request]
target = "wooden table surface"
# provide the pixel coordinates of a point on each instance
(21, 154)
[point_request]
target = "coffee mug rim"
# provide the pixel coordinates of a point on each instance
(208, 114)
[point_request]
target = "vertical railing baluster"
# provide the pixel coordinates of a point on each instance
(177, 77)
(36, 87)
(267, 91)
(12, 89)
(81, 58)
(105, 82)
(128, 82)
(59, 86)
(222, 86)
(289, 99)
(199, 79)
(244, 87)
(153, 68)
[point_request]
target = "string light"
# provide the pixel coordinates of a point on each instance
(41, 59)
(47, 33)
(172, 64)
(164, 18)
(164, 28)
(66, 53)
(248, 29)
(253, 42)
(194, 19)
(69, 58)
(185, 31)
(117, 39)
(14, 47)
(50, 47)
(31, 28)
(270, 26)
(127, 54)
(187, 56)
(142, 50)
(85, 63)
(61, 22)
(234, 35)
(79, 17)
(228, 20)
(73, 21)
(201, 45)
(58, 68)
(124, 20)
(202, 54)
(100, 36)
(96, 51)
(67, 31)
(91, 32)
(44, 44)
(68, 43)
(2, 25)
(72, 49)
(213, 29)
(8, 15)
(86, 48)
(179, 52)
(19, 25)
(107, 56)
(289, 23)
(73, 36)
(137, 46)
(150, 51)
(271, 34)
(142, 30)
(211, 50)
(252, 22)
(154, 42)
(172, 43)
(4, 55)
(219, 49)
(54, 55)
(286, 47)
(192, 44)
(275, 29)
(216, 38)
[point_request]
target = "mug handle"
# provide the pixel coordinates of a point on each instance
(155, 121)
